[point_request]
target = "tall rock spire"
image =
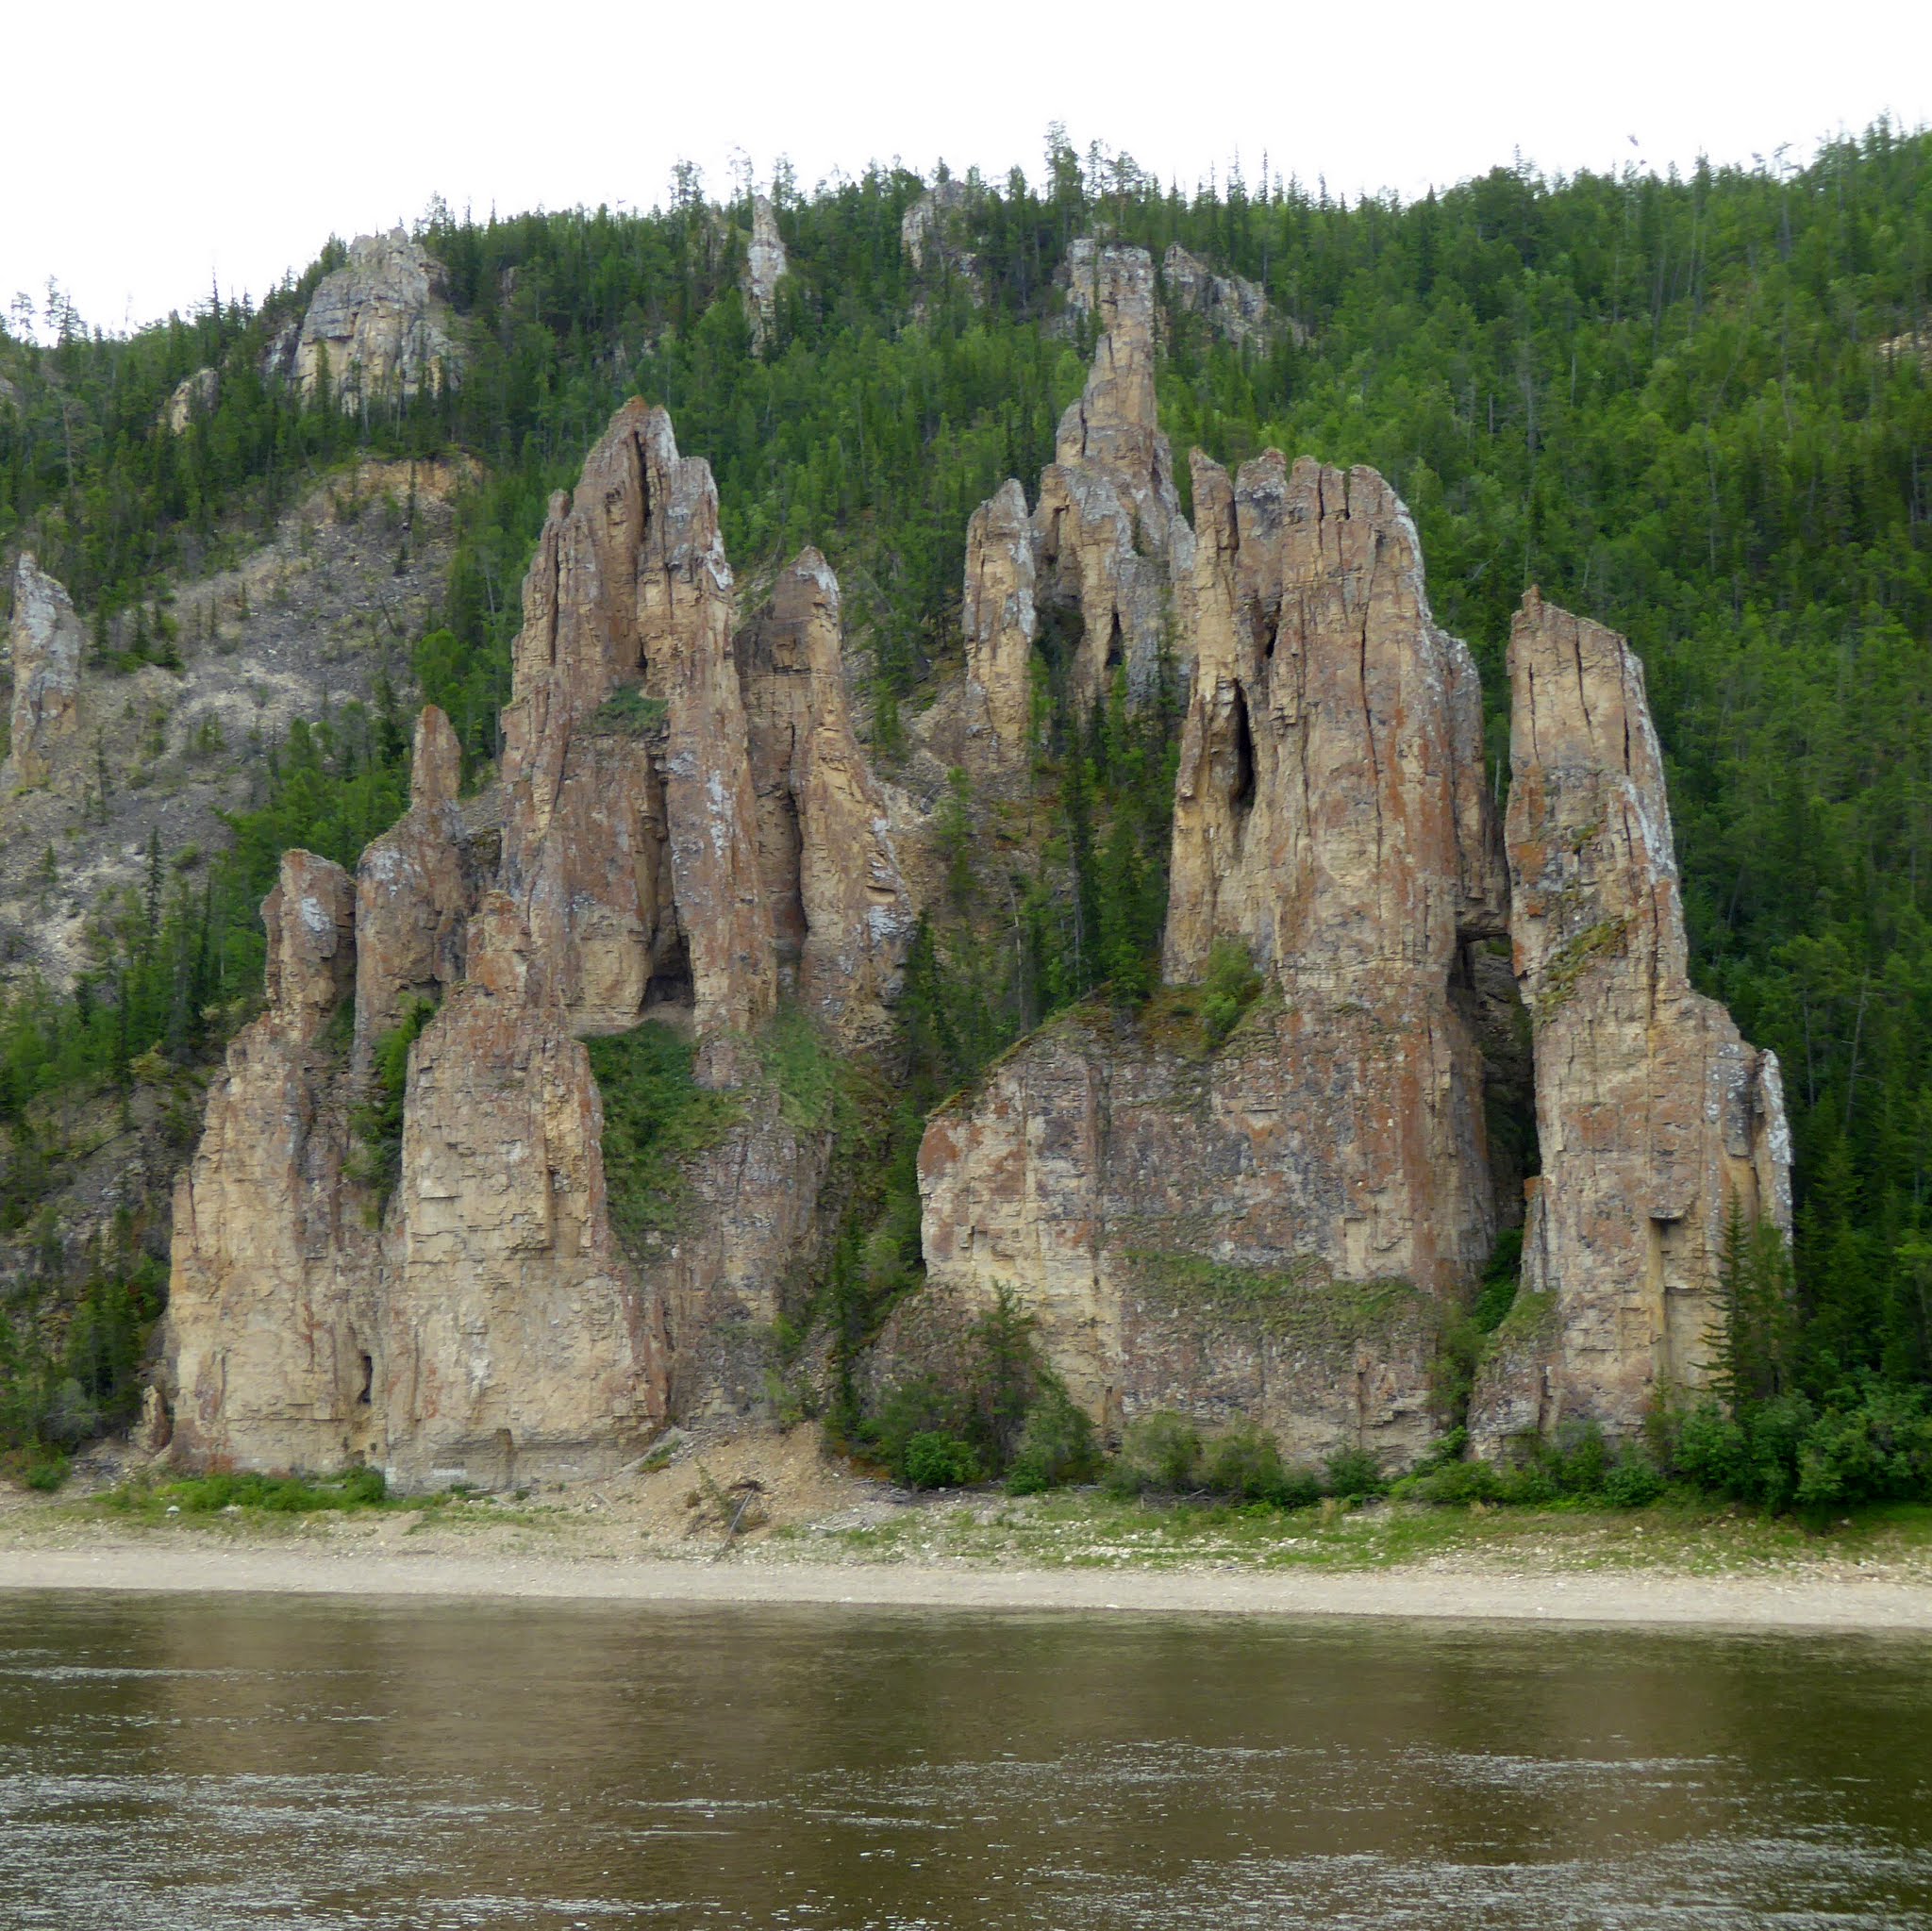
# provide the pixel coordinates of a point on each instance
(1656, 1119)
(631, 836)
(45, 641)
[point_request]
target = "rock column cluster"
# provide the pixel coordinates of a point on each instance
(690, 827)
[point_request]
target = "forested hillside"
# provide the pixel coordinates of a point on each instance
(1700, 408)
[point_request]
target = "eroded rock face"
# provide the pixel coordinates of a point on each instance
(765, 266)
(1233, 307)
(484, 1322)
(377, 327)
(1332, 824)
(934, 233)
(1330, 813)
(515, 1340)
(45, 641)
(415, 888)
(269, 1323)
(194, 396)
(1001, 621)
(840, 914)
(1112, 541)
(1106, 556)
(632, 831)
(1654, 1115)
(1186, 1230)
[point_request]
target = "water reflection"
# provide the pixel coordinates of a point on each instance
(187, 1764)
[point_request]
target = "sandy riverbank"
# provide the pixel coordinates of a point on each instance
(1663, 1600)
(826, 1533)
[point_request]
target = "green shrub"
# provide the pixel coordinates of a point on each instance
(1055, 1445)
(1159, 1454)
(1231, 986)
(1497, 1294)
(1354, 1473)
(938, 1460)
(45, 1472)
(378, 1121)
(1633, 1483)
(1244, 1464)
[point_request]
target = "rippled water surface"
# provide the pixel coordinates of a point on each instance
(192, 1763)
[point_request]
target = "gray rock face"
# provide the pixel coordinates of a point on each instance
(1276, 1227)
(377, 327)
(193, 395)
(765, 265)
(841, 916)
(1105, 554)
(1655, 1116)
(632, 832)
(934, 233)
(1235, 308)
(45, 641)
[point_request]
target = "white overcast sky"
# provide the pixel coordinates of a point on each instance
(152, 148)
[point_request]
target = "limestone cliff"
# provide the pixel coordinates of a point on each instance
(44, 644)
(377, 329)
(1106, 556)
(1274, 1227)
(632, 832)
(688, 822)
(841, 916)
(415, 888)
(270, 1347)
(1654, 1117)
(765, 265)
(1001, 621)
(934, 231)
(1233, 307)
(193, 395)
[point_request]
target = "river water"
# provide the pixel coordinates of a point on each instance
(245, 1761)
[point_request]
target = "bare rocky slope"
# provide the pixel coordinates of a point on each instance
(1273, 1225)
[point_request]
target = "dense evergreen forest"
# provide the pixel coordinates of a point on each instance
(1698, 408)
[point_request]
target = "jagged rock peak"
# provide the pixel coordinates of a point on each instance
(379, 324)
(311, 921)
(765, 265)
(1001, 621)
(630, 837)
(1654, 1116)
(841, 916)
(1109, 536)
(415, 888)
(44, 641)
(1114, 424)
(1330, 807)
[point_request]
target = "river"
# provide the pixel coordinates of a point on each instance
(189, 1763)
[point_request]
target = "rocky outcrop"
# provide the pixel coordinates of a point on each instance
(765, 266)
(1654, 1117)
(415, 888)
(515, 1340)
(1104, 558)
(840, 914)
(1205, 1228)
(270, 1347)
(377, 329)
(193, 395)
(1330, 813)
(1113, 544)
(632, 831)
(1234, 309)
(935, 232)
(1001, 621)
(43, 642)
(688, 822)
